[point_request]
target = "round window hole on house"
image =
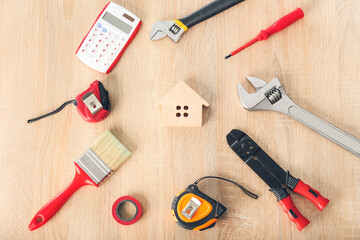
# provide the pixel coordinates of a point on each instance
(186, 114)
(178, 114)
(186, 107)
(178, 108)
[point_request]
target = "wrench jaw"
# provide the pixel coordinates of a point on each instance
(269, 96)
(160, 29)
(256, 82)
(249, 100)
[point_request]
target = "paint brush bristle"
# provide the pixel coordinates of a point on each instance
(110, 150)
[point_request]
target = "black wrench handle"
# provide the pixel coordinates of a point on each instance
(208, 11)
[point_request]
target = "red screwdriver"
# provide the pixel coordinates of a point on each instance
(279, 25)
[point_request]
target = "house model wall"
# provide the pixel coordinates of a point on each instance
(181, 106)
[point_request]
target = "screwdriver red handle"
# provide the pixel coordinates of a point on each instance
(282, 23)
(311, 194)
(277, 26)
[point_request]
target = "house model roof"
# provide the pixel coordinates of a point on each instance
(181, 92)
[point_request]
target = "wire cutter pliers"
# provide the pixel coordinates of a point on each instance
(274, 176)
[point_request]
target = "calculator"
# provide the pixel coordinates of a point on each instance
(110, 35)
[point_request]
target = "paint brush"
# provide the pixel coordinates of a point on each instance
(92, 168)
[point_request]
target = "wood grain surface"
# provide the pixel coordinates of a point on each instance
(316, 59)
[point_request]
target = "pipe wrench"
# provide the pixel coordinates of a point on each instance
(272, 96)
(174, 29)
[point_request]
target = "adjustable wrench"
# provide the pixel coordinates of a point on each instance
(174, 29)
(272, 96)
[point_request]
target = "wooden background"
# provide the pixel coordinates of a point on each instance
(316, 59)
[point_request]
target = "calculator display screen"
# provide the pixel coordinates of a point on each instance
(117, 22)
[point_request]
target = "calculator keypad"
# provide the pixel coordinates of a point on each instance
(101, 46)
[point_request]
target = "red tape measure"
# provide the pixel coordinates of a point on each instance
(117, 206)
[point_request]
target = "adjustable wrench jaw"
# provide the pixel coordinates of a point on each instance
(268, 96)
(160, 29)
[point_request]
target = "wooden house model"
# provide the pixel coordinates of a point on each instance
(181, 106)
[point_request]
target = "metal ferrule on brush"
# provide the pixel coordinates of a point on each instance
(93, 166)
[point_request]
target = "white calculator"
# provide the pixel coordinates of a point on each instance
(112, 32)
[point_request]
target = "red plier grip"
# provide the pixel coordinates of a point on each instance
(294, 214)
(313, 195)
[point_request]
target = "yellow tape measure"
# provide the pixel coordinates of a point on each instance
(194, 210)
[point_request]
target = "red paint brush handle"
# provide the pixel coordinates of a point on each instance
(49, 210)
(294, 214)
(311, 194)
(282, 23)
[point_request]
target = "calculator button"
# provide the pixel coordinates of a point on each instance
(117, 47)
(106, 64)
(98, 60)
(107, 45)
(109, 59)
(93, 51)
(83, 50)
(104, 51)
(104, 30)
(98, 25)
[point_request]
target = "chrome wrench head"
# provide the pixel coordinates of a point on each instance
(161, 29)
(268, 96)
